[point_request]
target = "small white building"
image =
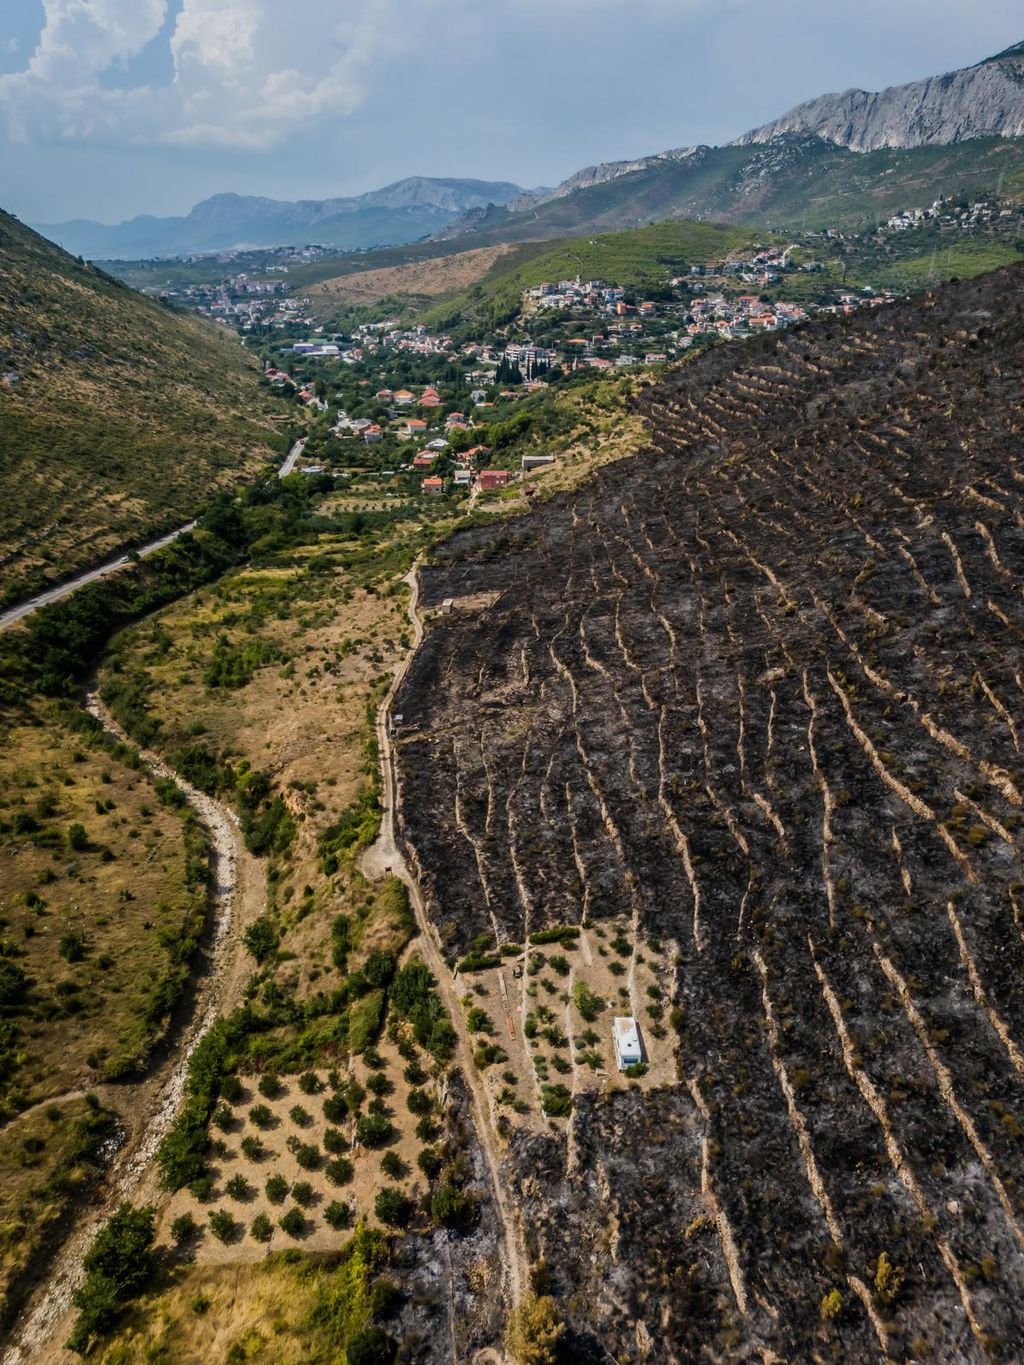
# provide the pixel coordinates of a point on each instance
(626, 1037)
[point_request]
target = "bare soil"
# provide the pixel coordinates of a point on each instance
(427, 279)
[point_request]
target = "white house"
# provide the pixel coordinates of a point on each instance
(626, 1037)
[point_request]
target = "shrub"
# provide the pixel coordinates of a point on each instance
(231, 1089)
(373, 1130)
(426, 1129)
(238, 1187)
(302, 1118)
(270, 1086)
(588, 1004)
(252, 1148)
(565, 933)
(293, 1222)
(339, 1171)
(334, 1141)
(393, 1166)
(452, 1208)
(276, 1188)
(302, 1193)
(535, 1330)
(419, 1102)
(379, 968)
(201, 1188)
(72, 946)
(392, 1207)
(260, 1115)
(635, 1070)
(223, 1117)
(78, 840)
(261, 1228)
(338, 1215)
(260, 938)
(478, 1020)
(831, 1306)
(414, 1074)
(310, 1083)
(222, 1225)
(378, 1084)
(335, 1109)
(372, 1346)
(307, 1154)
(184, 1228)
(117, 1266)
(556, 1100)
(429, 1161)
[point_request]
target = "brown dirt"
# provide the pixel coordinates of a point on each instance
(429, 279)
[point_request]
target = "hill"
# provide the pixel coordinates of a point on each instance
(398, 213)
(745, 713)
(794, 180)
(986, 100)
(117, 417)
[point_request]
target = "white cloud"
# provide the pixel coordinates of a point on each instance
(247, 73)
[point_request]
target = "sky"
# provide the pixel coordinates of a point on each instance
(112, 108)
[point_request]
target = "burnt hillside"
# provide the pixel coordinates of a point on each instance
(761, 691)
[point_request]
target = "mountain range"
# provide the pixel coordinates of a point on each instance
(838, 160)
(398, 213)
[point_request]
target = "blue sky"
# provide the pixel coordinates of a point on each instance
(110, 108)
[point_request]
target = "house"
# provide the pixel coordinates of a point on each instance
(454, 417)
(372, 434)
(626, 1037)
(415, 426)
(423, 460)
(433, 486)
(360, 424)
(403, 398)
(462, 478)
(537, 461)
(384, 395)
(439, 443)
(493, 478)
(478, 452)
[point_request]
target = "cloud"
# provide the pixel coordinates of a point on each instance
(247, 74)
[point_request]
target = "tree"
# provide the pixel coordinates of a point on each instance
(392, 1207)
(260, 938)
(77, 837)
(117, 1267)
(452, 1208)
(535, 1331)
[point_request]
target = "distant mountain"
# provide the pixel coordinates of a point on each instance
(398, 213)
(986, 100)
(801, 181)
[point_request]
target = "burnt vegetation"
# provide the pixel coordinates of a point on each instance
(760, 692)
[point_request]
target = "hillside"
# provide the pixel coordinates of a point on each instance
(986, 100)
(628, 258)
(398, 213)
(117, 417)
(794, 180)
(747, 710)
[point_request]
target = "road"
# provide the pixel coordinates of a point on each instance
(23, 609)
(384, 856)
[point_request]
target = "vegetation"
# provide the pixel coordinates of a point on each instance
(118, 416)
(117, 1267)
(535, 1329)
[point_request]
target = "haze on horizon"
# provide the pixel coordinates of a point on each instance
(112, 108)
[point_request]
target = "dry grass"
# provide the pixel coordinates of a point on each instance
(421, 279)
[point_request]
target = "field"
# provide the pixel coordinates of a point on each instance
(102, 902)
(758, 693)
(417, 279)
(117, 417)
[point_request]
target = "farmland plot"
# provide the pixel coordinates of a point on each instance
(760, 693)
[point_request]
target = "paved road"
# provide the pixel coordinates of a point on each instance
(23, 609)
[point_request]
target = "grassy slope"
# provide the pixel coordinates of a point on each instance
(116, 416)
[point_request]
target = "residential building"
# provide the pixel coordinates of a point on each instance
(626, 1036)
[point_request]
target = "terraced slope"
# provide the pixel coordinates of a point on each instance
(761, 692)
(117, 417)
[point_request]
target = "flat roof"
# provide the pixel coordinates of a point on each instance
(627, 1035)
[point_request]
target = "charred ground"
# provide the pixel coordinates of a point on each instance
(760, 691)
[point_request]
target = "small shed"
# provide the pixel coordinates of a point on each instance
(446, 606)
(626, 1036)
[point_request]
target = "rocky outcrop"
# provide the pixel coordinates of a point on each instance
(605, 171)
(986, 100)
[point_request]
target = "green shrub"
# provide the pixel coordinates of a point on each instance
(302, 1118)
(270, 1086)
(338, 1215)
(453, 1208)
(223, 1117)
(253, 1149)
(302, 1193)
(393, 1166)
(374, 1130)
(556, 1100)
(371, 1346)
(339, 1171)
(117, 1267)
(334, 1142)
(310, 1083)
(276, 1188)
(293, 1222)
(261, 1228)
(184, 1228)
(222, 1225)
(392, 1207)
(335, 1109)
(238, 1187)
(261, 1116)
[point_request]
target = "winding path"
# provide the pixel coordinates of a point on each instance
(386, 856)
(237, 890)
(57, 594)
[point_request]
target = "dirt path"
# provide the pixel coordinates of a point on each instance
(238, 892)
(386, 856)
